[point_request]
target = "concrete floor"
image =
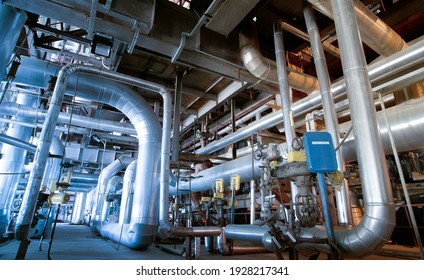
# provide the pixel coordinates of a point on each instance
(79, 242)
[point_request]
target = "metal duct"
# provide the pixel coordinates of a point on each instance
(265, 69)
(374, 32)
(11, 24)
(142, 229)
(127, 193)
(12, 109)
(378, 72)
(12, 163)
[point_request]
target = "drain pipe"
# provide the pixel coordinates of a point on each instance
(11, 24)
(344, 213)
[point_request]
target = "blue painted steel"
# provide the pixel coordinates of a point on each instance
(320, 154)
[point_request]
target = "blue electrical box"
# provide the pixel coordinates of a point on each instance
(320, 153)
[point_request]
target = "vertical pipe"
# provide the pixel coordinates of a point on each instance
(12, 163)
(378, 199)
(176, 124)
(11, 24)
(286, 97)
(127, 193)
(78, 208)
(233, 126)
(252, 201)
(285, 90)
(344, 213)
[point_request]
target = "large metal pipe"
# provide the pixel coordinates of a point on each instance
(378, 222)
(374, 32)
(31, 113)
(53, 168)
(265, 69)
(19, 143)
(407, 125)
(113, 185)
(205, 179)
(285, 90)
(12, 163)
(127, 193)
(142, 229)
(11, 24)
(380, 71)
(344, 213)
(105, 177)
(78, 208)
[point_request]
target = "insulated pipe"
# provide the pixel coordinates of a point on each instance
(265, 69)
(127, 193)
(374, 32)
(344, 213)
(52, 172)
(105, 177)
(175, 150)
(205, 179)
(84, 178)
(78, 209)
(142, 229)
(12, 109)
(378, 72)
(19, 143)
(112, 187)
(285, 90)
(11, 24)
(407, 125)
(12, 163)
(378, 222)
(252, 202)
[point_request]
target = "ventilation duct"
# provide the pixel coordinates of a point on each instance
(266, 69)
